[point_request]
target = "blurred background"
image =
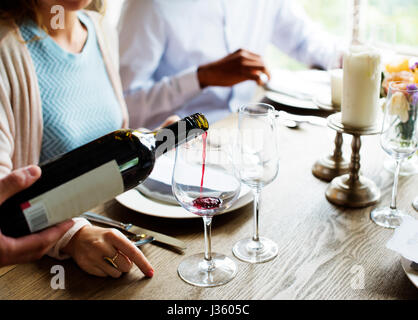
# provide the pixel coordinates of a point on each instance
(390, 24)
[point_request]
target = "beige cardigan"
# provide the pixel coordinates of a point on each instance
(21, 123)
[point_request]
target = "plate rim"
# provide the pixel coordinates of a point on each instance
(413, 277)
(241, 202)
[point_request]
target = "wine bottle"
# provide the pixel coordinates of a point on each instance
(83, 178)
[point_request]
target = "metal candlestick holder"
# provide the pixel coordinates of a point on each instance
(335, 164)
(352, 189)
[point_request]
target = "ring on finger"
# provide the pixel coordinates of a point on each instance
(111, 261)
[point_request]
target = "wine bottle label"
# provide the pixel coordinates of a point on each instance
(74, 197)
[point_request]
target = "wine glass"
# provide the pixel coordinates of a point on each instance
(409, 166)
(257, 163)
(204, 183)
(399, 138)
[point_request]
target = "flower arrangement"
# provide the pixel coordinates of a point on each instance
(400, 71)
(404, 104)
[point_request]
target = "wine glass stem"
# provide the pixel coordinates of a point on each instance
(256, 193)
(207, 223)
(395, 184)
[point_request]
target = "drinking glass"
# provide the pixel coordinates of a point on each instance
(409, 166)
(204, 183)
(257, 162)
(399, 138)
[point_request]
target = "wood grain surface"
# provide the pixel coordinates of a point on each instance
(323, 249)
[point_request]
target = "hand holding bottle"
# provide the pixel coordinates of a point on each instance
(32, 247)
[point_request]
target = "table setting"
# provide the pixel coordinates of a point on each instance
(289, 222)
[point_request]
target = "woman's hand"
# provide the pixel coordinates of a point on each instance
(91, 244)
(32, 247)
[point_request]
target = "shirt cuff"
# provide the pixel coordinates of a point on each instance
(188, 83)
(55, 251)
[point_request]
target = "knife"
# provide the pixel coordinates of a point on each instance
(315, 120)
(128, 227)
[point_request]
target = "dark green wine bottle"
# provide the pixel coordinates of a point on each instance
(81, 179)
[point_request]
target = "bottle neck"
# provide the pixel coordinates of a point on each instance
(168, 138)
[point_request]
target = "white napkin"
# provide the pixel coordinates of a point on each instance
(405, 239)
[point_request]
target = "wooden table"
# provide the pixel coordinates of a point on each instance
(323, 249)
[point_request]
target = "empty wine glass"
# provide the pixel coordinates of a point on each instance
(257, 163)
(409, 166)
(204, 183)
(399, 138)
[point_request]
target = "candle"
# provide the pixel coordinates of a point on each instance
(361, 87)
(336, 87)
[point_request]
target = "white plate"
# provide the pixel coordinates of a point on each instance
(135, 201)
(285, 86)
(411, 273)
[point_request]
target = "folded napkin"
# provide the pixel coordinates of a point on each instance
(158, 185)
(405, 239)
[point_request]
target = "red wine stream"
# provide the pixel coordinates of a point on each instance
(204, 139)
(205, 202)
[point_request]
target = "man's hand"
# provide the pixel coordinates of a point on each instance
(32, 247)
(236, 67)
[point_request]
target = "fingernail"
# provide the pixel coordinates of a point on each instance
(33, 171)
(150, 273)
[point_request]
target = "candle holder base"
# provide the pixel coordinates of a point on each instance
(342, 191)
(352, 189)
(328, 168)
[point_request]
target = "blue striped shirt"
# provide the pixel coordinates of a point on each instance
(78, 100)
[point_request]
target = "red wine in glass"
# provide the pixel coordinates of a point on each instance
(205, 203)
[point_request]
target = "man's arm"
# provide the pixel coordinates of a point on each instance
(142, 41)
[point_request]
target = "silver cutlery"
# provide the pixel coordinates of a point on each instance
(293, 120)
(130, 228)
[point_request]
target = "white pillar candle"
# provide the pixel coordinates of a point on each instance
(336, 87)
(361, 87)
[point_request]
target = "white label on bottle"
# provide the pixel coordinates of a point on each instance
(74, 197)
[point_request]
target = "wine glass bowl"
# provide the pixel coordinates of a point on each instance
(219, 188)
(257, 163)
(399, 139)
(204, 183)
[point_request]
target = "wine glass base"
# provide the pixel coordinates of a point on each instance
(387, 217)
(252, 251)
(195, 270)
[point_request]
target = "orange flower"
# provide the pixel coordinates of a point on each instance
(403, 65)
